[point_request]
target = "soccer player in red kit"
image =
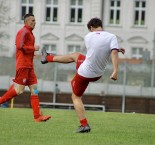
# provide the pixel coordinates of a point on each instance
(25, 75)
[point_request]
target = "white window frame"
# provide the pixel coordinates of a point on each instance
(49, 47)
(115, 8)
(137, 55)
(52, 6)
(27, 5)
(140, 9)
(75, 48)
(76, 7)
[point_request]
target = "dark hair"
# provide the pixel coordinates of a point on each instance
(95, 23)
(27, 15)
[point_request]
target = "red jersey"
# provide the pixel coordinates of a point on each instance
(25, 48)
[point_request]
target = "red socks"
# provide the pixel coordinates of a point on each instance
(84, 122)
(11, 93)
(49, 58)
(35, 106)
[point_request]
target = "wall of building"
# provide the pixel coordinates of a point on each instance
(129, 35)
(63, 33)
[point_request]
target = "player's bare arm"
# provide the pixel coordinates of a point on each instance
(114, 58)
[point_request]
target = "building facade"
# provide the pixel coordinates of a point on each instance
(132, 21)
(62, 24)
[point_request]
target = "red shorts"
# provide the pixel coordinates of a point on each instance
(80, 83)
(25, 76)
(80, 60)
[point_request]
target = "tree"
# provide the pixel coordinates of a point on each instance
(4, 21)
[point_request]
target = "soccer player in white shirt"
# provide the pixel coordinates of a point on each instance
(100, 46)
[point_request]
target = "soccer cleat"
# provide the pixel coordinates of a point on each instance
(44, 54)
(42, 118)
(84, 129)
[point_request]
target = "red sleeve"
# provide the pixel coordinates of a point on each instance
(20, 39)
(28, 48)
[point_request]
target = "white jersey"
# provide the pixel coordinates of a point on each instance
(99, 45)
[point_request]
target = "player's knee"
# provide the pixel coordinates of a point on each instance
(35, 91)
(75, 56)
(19, 91)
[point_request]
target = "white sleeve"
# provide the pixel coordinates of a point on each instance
(114, 43)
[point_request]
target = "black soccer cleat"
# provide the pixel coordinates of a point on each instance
(44, 54)
(84, 129)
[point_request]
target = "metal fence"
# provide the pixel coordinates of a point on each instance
(130, 73)
(135, 79)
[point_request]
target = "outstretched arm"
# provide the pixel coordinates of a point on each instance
(114, 58)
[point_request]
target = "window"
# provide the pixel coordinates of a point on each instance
(51, 48)
(51, 10)
(26, 7)
(137, 53)
(76, 11)
(73, 48)
(140, 13)
(115, 12)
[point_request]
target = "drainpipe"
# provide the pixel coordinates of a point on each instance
(102, 10)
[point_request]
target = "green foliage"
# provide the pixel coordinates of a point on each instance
(17, 128)
(4, 21)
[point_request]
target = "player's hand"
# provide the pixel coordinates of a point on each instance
(114, 76)
(122, 50)
(37, 47)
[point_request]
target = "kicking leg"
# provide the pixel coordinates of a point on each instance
(69, 58)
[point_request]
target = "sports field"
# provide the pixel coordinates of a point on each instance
(17, 128)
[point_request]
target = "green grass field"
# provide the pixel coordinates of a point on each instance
(17, 128)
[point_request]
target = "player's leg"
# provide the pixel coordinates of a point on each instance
(34, 99)
(79, 107)
(78, 87)
(69, 58)
(80, 111)
(13, 91)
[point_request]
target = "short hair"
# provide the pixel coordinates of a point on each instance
(28, 15)
(95, 23)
